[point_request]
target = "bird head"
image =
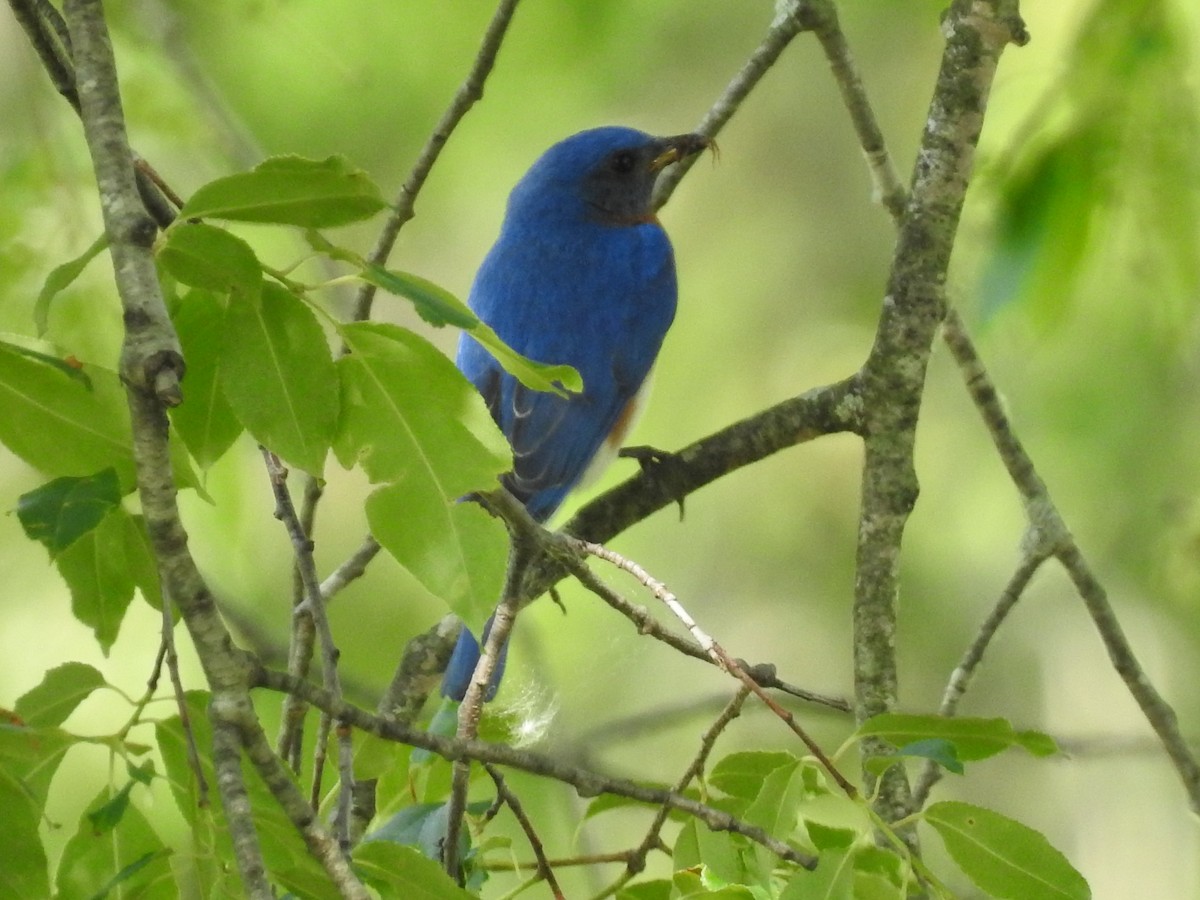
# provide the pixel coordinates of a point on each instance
(605, 174)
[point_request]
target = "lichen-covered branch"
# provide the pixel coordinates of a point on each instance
(894, 375)
(151, 366)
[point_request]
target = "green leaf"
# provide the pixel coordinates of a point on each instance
(1047, 220)
(60, 512)
(68, 418)
(205, 421)
(133, 874)
(277, 373)
(455, 550)
(659, 889)
(421, 826)
(108, 814)
(97, 571)
(397, 871)
(376, 756)
(143, 565)
(124, 857)
(689, 884)
(69, 366)
(288, 861)
(832, 879)
(938, 750)
(143, 774)
(62, 689)
(23, 870)
(60, 278)
(1004, 857)
(776, 809)
(410, 418)
(203, 256)
(830, 837)
(686, 852)
(538, 376)
(776, 806)
(63, 421)
(973, 738)
(742, 774)
(439, 307)
(406, 408)
(290, 190)
(720, 857)
(31, 756)
(433, 303)
(880, 872)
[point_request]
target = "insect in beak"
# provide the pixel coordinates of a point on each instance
(679, 148)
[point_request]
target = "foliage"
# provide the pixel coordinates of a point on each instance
(272, 359)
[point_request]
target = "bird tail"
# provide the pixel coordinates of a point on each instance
(462, 665)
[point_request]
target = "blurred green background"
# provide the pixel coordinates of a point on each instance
(1076, 269)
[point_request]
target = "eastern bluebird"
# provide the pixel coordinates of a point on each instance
(581, 274)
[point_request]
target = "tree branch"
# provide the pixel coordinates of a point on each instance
(313, 607)
(586, 783)
(832, 409)
(150, 357)
(894, 374)
(151, 365)
(323, 846)
(960, 678)
(1050, 533)
(239, 814)
(821, 17)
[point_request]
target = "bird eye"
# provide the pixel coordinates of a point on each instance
(623, 162)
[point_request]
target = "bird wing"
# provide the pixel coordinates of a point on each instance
(605, 312)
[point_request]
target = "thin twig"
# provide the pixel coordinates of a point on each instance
(470, 710)
(1051, 531)
(354, 567)
(588, 859)
(780, 33)
(50, 37)
(726, 662)
(327, 849)
(470, 91)
(636, 860)
(151, 366)
(586, 783)
(48, 34)
(960, 678)
(544, 870)
(313, 607)
(403, 210)
(829, 409)
(561, 552)
(168, 655)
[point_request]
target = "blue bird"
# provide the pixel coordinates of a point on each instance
(582, 274)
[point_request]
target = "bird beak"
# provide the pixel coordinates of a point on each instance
(678, 148)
